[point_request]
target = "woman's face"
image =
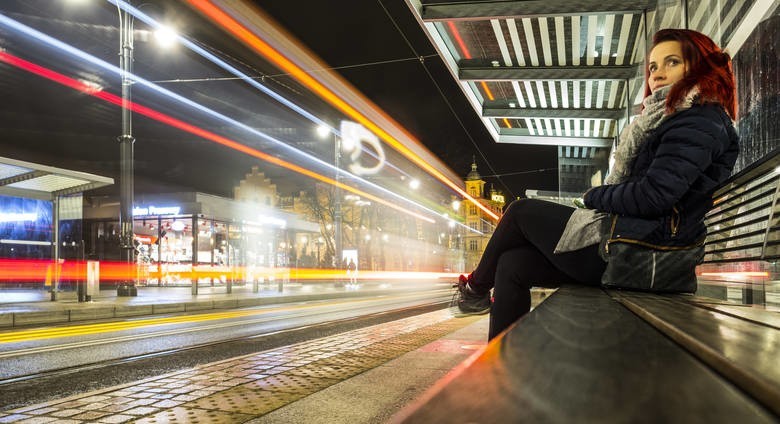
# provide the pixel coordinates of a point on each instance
(666, 65)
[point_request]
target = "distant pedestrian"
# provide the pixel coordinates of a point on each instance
(352, 272)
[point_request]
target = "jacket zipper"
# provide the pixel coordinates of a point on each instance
(618, 239)
(674, 222)
(611, 232)
(652, 276)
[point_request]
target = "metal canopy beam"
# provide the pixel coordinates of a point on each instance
(528, 9)
(519, 113)
(555, 141)
(598, 73)
(579, 161)
(22, 177)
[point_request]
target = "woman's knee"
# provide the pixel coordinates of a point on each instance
(521, 207)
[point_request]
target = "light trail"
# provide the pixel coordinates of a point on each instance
(192, 129)
(57, 44)
(736, 274)
(47, 333)
(458, 39)
(25, 270)
(241, 32)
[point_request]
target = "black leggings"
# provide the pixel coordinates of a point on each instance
(520, 255)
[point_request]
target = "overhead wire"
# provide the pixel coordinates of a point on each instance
(286, 74)
(446, 100)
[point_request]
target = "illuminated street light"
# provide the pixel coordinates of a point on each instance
(323, 131)
(165, 37)
(126, 146)
(456, 205)
(414, 184)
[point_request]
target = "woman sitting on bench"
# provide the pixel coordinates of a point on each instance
(669, 161)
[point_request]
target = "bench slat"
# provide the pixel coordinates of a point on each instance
(744, 350)
(581, 356)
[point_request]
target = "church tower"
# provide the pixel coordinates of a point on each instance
(481, 225)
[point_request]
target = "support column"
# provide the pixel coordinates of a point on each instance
(55, 243)
(194, 273)
(126, 145)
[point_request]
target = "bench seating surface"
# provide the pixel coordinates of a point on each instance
(740, 342)
(581, 356)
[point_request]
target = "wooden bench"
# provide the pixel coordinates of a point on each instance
(591, 355)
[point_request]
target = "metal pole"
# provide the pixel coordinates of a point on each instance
(337, 205)
(55, 283)
(126, 143)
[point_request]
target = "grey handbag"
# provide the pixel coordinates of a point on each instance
(632, 266)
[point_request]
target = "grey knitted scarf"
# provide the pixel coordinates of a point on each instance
(583, 228)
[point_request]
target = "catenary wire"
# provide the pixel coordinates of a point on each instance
(446, 100)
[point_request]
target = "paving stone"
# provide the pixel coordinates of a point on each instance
(13, 418)
(116, 419)
(194, 416)
(166, 404)
(90, 415)
(291, 384)
(42, 411)
(141, 410)
(246, 401)
(37, 420)
(65, 413)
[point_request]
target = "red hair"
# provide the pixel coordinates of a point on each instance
(708, 67)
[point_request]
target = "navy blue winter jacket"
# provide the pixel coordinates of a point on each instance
(672, 179)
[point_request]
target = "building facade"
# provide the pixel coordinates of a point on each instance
(480, 225)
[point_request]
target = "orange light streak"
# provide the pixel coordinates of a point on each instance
(243, 34)
(487, 90)
(192, 129)
(506, 122)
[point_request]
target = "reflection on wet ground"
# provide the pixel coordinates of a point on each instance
(756, 292)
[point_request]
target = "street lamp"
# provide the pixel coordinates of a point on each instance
(127, 141)
(126, 145)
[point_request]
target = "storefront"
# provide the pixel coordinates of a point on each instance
(182, 237)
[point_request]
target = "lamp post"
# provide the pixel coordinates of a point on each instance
(126, 146)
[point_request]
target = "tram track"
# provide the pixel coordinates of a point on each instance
(305, 311)
(39, 387)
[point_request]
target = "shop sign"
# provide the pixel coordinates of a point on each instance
(154, 210)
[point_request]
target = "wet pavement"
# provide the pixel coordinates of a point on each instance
(388, 364)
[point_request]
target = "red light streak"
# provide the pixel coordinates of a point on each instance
(736, 274)
(192, 129)
(36, 270)
(458, 39)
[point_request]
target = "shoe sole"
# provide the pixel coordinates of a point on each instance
(457, 313)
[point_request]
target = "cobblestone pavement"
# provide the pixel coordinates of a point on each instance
(242, 388)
